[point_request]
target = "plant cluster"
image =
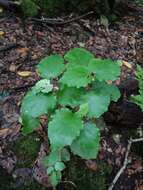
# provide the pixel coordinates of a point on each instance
(138, 99)
(55, 7)
(74, 91)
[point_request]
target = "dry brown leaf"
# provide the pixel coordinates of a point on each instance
(127, 64)
(92, 165)
(23, 50)
(3, 133)
(24, 73)
(12, 68)
(1, 33)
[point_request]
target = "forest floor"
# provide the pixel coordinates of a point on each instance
(22, 44)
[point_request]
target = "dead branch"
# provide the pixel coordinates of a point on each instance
(126, 161)
(56, 22)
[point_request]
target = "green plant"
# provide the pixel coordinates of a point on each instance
(140, 1)
(138, 99)
(73, 92)
(56, 7)
(29, 8)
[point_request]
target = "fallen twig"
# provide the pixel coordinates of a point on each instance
(58, 23)
(126, 161)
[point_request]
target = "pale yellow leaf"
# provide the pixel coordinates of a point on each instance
(1, 33)
(1, 9)
(109, 81)
(127, 64)
(24, 73)
(12, 68)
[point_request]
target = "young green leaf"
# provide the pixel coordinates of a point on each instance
(65, 155)
(29, 124)
(50, 170)
(55, 178)
(51, 66)
(59, 166)
(97, 103)
(36, 105)
(138, 100)
(87, 144)
(52, 158)
(70, 96)
(64, 128)
(78, 56)
(104, 69)
(83, 110)
(107, 89)
(76, 76)
(43, 86)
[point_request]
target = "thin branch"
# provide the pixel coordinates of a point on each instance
(70, 182)
(137, 140)
(59, 23)
(126, 161)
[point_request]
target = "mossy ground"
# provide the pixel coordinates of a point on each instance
(26, 150)
(84, 178)
(8, 183)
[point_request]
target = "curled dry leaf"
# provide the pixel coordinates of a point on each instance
(127, 64)
(24, 73)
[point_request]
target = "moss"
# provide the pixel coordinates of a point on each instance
(83, 178)
(56, 7)
(26, 150)
(8, 183)
(29, 8)
(31, 186)
(137, 149)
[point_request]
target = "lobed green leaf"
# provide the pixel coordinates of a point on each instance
(107, 89)
(78, 56)
(70, 96)
(87, 144)
(29, 124)
(97, 103)
(51, 66)
(104, 69)
(64, 128)
(35, 105)
(76, 76)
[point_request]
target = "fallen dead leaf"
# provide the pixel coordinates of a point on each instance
(23, 50)
(24, 73)
(12, 68)
(92, 165)
(127, 64)
(1, 33)
(3, 133)
(1, 9)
